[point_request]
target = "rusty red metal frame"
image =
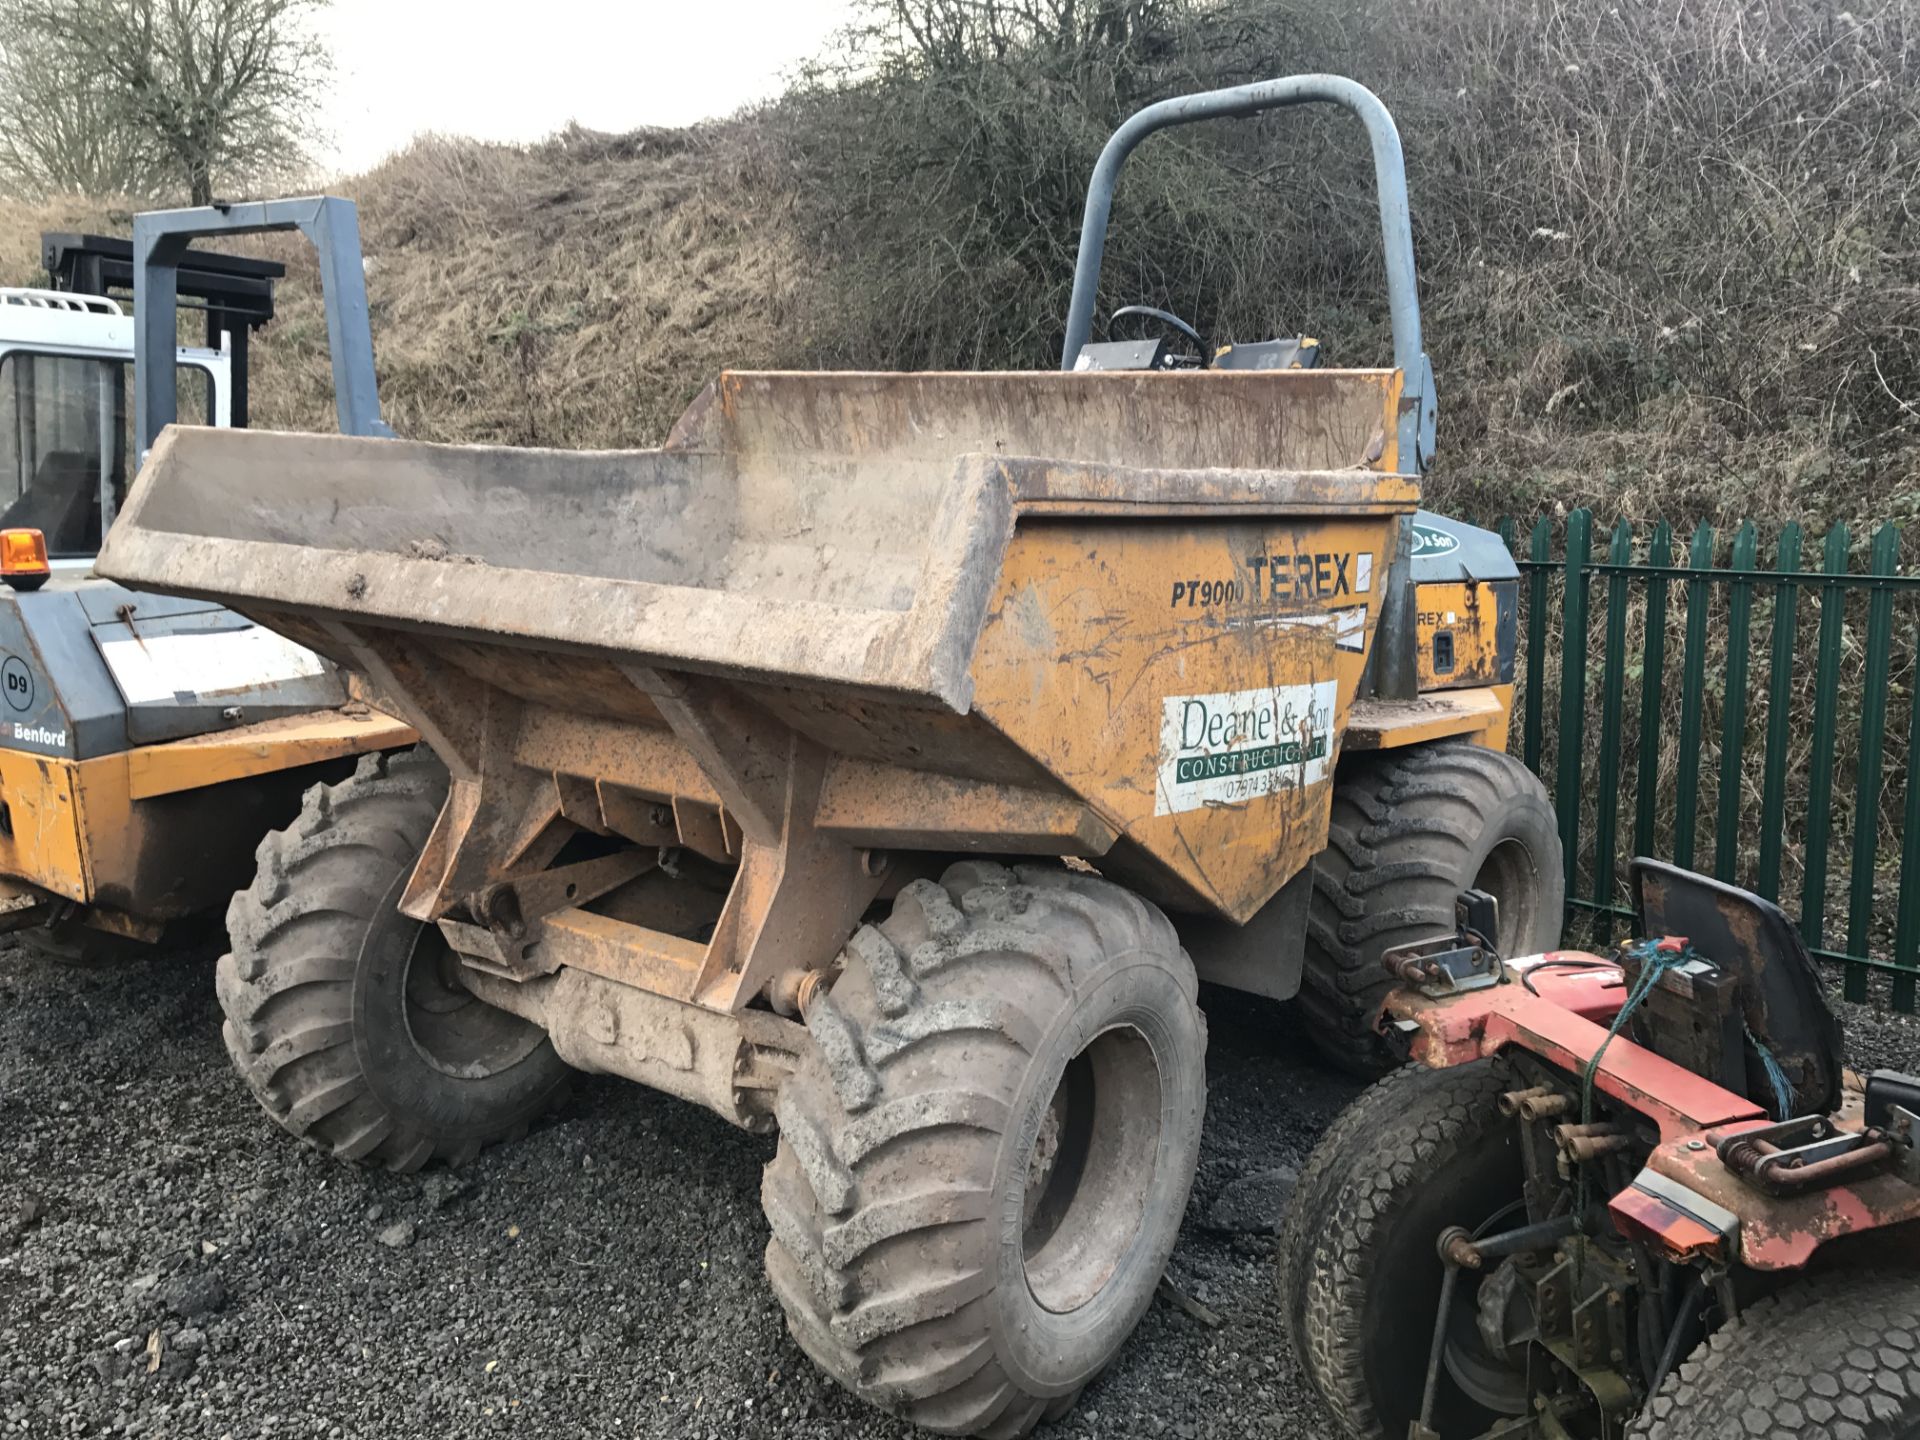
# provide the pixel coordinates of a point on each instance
(1783, 1232)
(1480, 1023)
(1685, 1201)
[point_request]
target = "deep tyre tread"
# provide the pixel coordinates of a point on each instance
(888, 1198)
(1409, 830)
(1349, 1265)
(302, 978)
(1835, 1355)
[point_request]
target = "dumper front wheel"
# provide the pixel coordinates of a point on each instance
(346, 1018)
(985, 1158)
(1410, 830)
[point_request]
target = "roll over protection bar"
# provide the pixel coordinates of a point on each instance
(1418, 412)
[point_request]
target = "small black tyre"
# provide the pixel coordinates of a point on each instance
(1312, 1201)
(346, 1018)
(1410, 829)
(1417, 1152)
(1836, 1355)
(76, 945)
(985, 1156)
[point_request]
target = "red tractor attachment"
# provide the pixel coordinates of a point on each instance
(1602, 1176)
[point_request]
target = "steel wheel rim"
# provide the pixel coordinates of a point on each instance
(1091, 1169)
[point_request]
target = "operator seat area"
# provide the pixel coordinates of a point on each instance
(1776, 1003)
(60, 502)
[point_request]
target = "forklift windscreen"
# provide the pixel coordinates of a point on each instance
(66, 436)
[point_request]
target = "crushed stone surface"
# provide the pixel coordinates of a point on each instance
(172, 1265)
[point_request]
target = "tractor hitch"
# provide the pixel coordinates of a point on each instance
(1466, 960)
(1803, 1154)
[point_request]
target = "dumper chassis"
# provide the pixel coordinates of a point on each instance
(884, 760)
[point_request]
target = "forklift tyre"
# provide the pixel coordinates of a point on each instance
(1419, 1151)
(78, 946)
(1835, 1354)
(985, 1155)
(1410, 830)
(346, 1018)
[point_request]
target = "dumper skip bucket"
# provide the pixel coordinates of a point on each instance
(1098, 615)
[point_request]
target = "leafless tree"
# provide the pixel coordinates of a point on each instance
(58, 135)
(157, 96)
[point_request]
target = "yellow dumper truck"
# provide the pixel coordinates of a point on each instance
(882, 760)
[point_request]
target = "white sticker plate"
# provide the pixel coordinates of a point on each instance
(1228, 748)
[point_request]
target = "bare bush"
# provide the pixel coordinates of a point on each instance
(1692, 228)
(947, 147)
(1668, 246)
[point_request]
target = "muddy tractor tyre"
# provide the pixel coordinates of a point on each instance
(1312, 1201)
(346, 1018)
(1417, 1152)
(1835, 1354)
(985, 1157)
(1410, 830)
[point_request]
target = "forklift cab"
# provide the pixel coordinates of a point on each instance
(147, 741)
(67, 444)
(88, 667)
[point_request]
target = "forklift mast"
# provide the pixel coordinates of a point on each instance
(234, 291)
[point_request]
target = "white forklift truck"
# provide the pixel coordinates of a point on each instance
(147, 743)
(65, 353)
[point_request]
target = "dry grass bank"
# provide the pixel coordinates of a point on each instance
(1670, 259)
(573, 293)
(22, 223)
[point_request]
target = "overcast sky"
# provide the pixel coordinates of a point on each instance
(521, 71)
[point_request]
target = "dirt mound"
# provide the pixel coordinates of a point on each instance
(573, 293)
(576, 293)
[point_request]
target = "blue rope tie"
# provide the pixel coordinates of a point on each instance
(1776, 1077)
(1654, 962)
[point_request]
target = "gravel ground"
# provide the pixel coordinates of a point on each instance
(171, 1265)
(601, 1278)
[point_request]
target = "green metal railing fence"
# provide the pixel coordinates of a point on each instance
(1790, 749)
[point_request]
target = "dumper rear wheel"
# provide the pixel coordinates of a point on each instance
(985, 1158)
(346, 1018)
(1835, 1354)
(1410, 830)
